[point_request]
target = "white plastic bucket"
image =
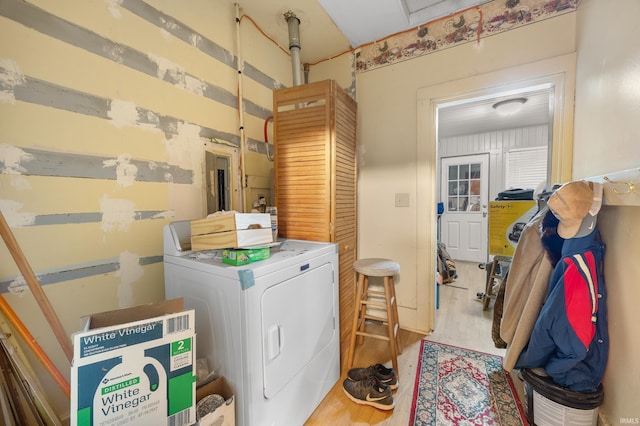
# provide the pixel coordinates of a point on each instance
(547, 404)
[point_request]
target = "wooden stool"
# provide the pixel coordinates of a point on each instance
(492, 275)
(385, 299)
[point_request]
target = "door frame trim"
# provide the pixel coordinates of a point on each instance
(558, 71)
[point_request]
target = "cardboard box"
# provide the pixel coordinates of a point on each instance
(237, 257)
(231, 230)
(230, 222)
(135, 313)
(506, 221)
(225, 415)
(138, 372)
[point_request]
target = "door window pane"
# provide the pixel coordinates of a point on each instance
(452, 206)
(474, 187)
(453, 172)
(464, 187)
(475, 171)
(462, 203)
(464, 171)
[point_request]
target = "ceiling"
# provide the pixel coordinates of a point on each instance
(320, 38)
(478, 115)
(330, 27)
(364, 21)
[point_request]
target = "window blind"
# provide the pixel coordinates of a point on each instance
(526, 168)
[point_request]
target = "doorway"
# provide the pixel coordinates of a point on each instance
(557, 72)
(474, 126)
(464, 193)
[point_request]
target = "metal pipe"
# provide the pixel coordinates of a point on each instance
(306, 73)
(294, 46)
(240, 67)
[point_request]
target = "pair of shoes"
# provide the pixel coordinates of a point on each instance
(386, 376)
(369, 391)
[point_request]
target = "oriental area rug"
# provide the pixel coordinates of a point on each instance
(456, 386)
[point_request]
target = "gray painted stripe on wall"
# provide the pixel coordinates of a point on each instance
(188, 35)
(48, 94)
(53, 26)
(149, 260)
(179, 30)
(50, 163)
(89, 217)
(256, 110)
(74, 274)
(40, 92)
(78, 272)
(211, 134)
(66, 218)
(258, 146)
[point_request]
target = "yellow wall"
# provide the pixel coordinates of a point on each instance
(607, 134)
(339, 69)
(106, 109)
(391, 151)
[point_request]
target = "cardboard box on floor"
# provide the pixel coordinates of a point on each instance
(224, 415)
(135, 366)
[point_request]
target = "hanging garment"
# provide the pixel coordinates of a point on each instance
(498, 307)
(525, 289)
(570, 337)
(446, 265)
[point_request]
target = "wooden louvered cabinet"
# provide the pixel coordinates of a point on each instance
(315, 177)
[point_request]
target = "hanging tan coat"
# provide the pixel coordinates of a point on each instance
(525, 291)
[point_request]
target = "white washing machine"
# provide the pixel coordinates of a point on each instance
(269, 327)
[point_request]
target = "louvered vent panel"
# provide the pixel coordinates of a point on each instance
(315, 177)
(303, 193)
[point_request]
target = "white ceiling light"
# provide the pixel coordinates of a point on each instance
(509, 106)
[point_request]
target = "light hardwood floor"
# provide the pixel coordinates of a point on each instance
(460, 321)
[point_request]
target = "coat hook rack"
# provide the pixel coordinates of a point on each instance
(630, 186)
(621, 188)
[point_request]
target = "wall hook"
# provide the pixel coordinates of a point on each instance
(627, 187)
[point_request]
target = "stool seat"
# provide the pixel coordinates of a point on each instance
(376, 267)
(369, 302)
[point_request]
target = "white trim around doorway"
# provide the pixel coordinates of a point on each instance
(559, 72)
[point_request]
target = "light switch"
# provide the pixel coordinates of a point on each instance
(402, 199)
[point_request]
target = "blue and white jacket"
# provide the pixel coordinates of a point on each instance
(570, 338)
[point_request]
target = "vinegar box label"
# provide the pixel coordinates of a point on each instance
(136, 373)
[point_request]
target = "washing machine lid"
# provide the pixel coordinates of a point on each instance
(177, 237)
(298, 322)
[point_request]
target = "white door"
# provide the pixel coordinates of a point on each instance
(465, 195)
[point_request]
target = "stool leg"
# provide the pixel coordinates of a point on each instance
(396, 319)
(363, 308)
(356, 315)
(390, 321)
